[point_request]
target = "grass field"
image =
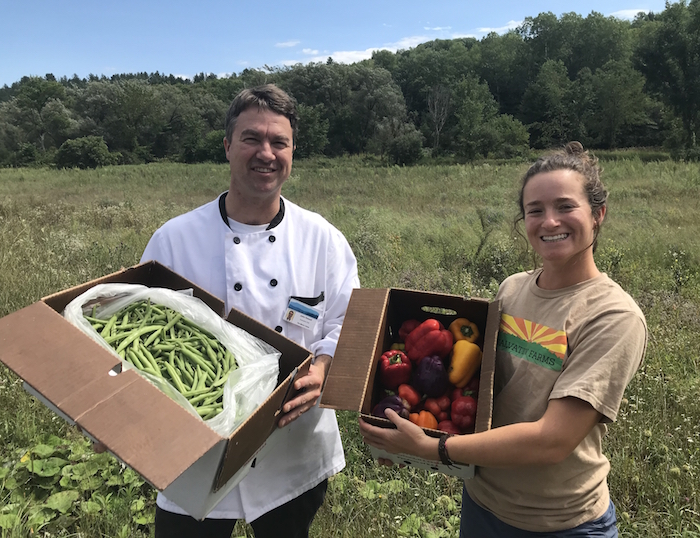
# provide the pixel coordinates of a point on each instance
(440, 228)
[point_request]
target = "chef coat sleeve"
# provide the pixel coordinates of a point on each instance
(158, 249)
(341, 279)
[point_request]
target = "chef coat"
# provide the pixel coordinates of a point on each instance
(257, 269)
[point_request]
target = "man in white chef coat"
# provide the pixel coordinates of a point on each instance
(266, 256)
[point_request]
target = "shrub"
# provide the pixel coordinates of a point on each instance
(691, 154)
(406, 149)
(26, 155)
(211, 147)
(504, 137)
(313, 131)
(85, 152)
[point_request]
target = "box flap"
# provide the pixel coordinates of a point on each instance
(148, 431)
(49, 353)
(484, 410)
(250, 435)
(123, 411)
(354, 358)
(151, 274)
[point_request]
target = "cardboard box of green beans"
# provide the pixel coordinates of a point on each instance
(149, 378)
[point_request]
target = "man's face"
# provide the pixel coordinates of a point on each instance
(259, 154)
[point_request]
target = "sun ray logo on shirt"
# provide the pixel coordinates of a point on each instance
(533, 342)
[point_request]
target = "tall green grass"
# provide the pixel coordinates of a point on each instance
(444, 228)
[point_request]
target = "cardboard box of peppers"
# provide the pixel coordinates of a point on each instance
(430, 375)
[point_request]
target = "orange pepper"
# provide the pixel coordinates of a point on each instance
(424, 419)
(463, 329)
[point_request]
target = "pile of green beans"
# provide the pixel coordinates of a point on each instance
(164, 343)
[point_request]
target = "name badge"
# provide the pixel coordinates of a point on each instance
(300, 314)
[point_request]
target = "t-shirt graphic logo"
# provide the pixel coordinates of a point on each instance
(533, 342)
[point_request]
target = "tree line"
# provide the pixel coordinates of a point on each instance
(607, 82)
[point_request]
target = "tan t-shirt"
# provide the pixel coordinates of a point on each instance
(585, 341)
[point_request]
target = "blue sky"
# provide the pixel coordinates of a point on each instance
(212, 36)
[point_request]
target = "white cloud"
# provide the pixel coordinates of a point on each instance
(407, 43)
(438, 28)
(628, 13)
(352, 56)
(344, 56)
(287, 44)
(512, 25)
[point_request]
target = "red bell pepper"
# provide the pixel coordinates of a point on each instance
(406, 327)
(463, 412)
(440, 407)
(448, 426)
(411, 395)
(471, 389)
(429, 338)
(394, 369)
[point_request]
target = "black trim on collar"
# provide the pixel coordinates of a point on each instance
(274, 222)
(311, 301)
(278, 217)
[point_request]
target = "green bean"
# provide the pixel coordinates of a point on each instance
(198, 359)
(136, 333)
(208, 410)
(203, 397)
(175, 378)
(133, 359)
(221, 380)
(107, 330)
(172, 322)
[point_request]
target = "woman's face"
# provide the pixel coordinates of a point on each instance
(559, 221)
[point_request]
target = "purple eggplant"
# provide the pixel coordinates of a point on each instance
(395, 403)
(431, 377)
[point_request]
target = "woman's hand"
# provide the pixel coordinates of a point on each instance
(407, 438)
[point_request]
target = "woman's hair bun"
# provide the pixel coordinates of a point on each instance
(575, 148)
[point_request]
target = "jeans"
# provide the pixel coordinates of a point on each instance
(479, 523)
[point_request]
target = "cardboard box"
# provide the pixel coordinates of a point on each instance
(169, 447)
(371, 324)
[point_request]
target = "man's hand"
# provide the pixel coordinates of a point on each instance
(309, 387)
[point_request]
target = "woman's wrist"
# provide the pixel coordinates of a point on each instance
(429, 449)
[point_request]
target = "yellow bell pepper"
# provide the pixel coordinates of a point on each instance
(466, 360)
(463, 329)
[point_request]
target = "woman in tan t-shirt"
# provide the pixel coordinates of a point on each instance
(541, 470)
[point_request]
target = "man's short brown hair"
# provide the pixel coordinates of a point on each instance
(266, 97)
